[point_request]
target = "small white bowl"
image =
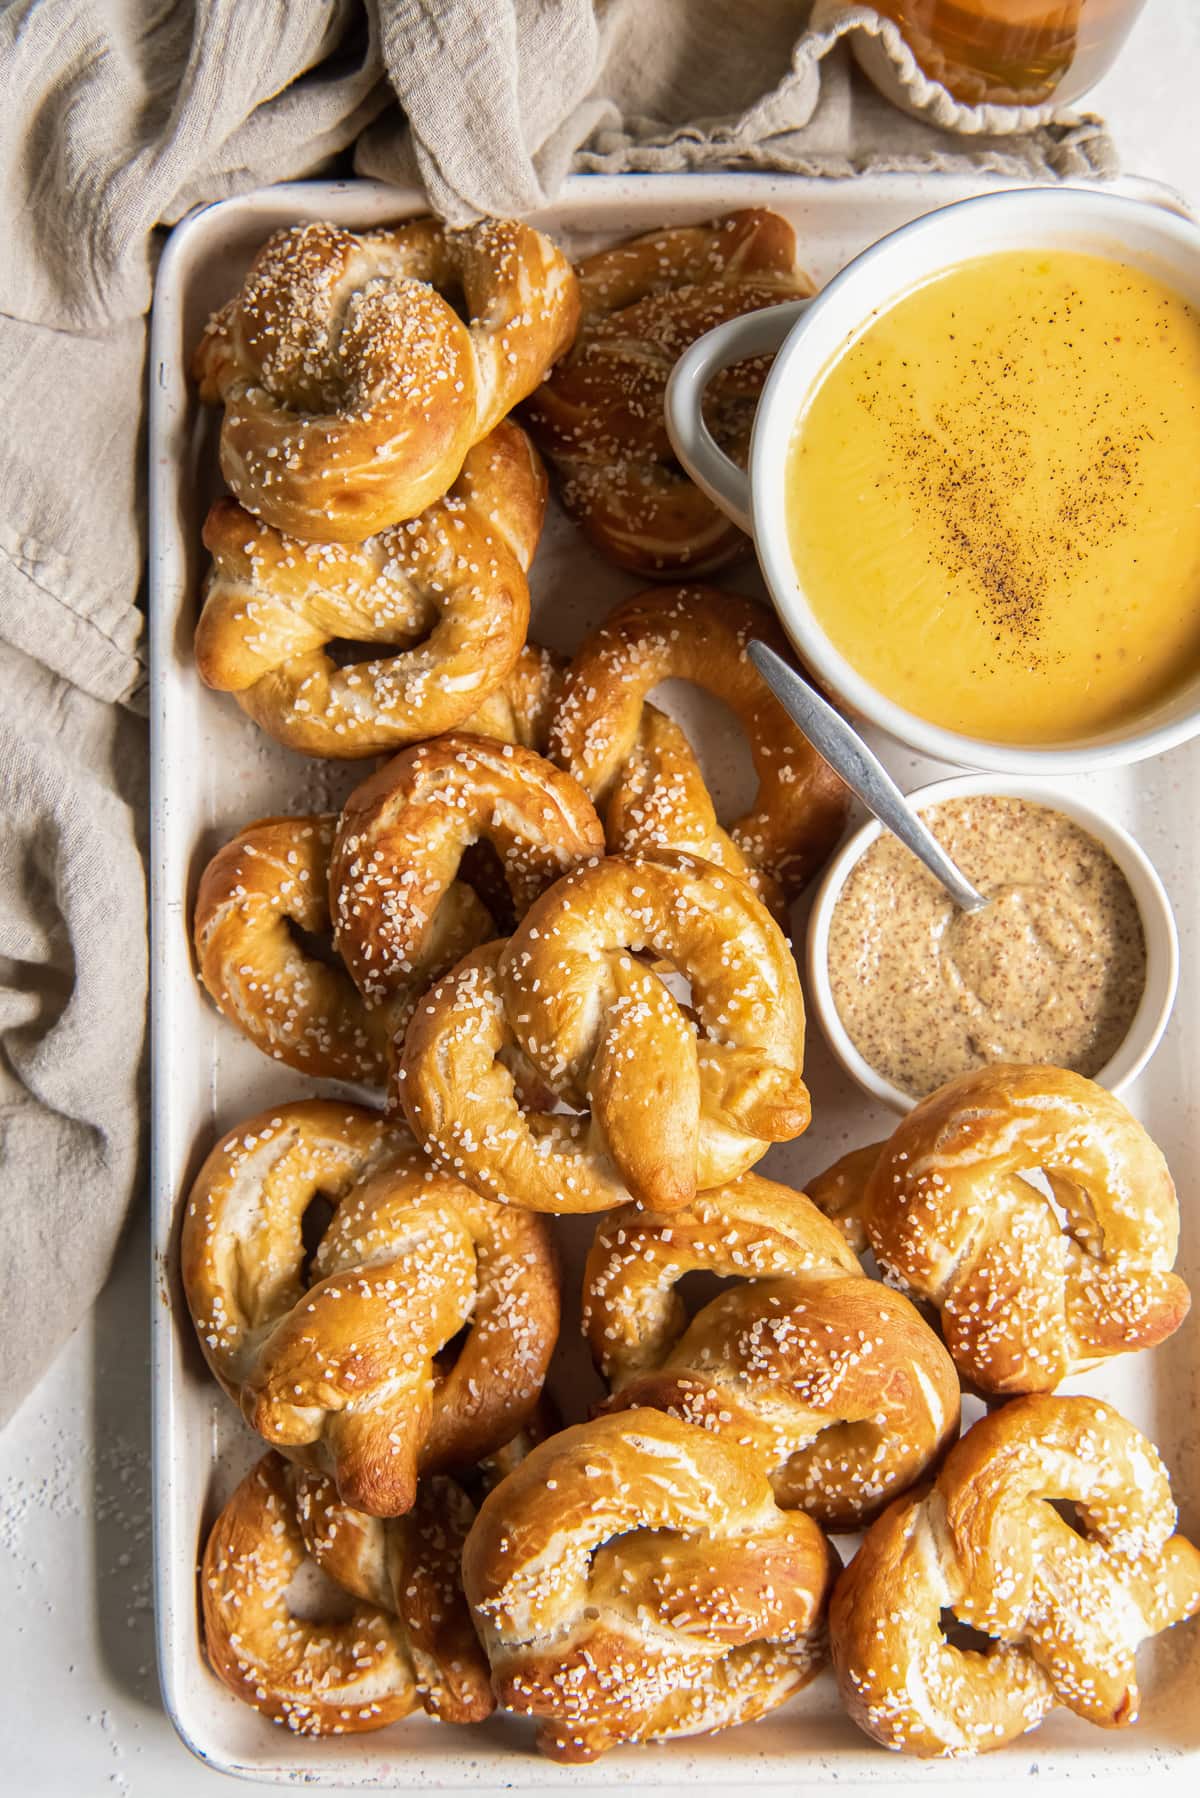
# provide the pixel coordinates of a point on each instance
(1158, 926)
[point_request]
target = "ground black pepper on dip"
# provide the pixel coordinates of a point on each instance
(1051, 971)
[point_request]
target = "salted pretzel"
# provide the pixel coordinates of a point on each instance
(831, 1380)
(409, 1640)
(1030, 1289)
(634, 1579)
(342, 1362)
(353, 389)
(262, 917)
(1065, 1606)
(698, 634)
(677, 1099)
(401, 837)
(599, 417)
(444, 597)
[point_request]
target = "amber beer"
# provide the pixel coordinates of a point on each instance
(1014, 52)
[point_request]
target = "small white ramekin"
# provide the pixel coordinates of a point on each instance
(1158, 926)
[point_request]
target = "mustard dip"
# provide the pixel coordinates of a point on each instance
(994, 497)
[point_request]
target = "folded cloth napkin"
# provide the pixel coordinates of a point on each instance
(120, 116)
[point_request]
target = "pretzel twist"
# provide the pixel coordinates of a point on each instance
(696, 634)
(1065, 1608)
(1030, 1289)
(599, 417)
(267, 890)
(633, 1579)
(353, 390)
(833, 1382)
(449, 589)
(409, 1640)
(674, 1104)
(341, 1364)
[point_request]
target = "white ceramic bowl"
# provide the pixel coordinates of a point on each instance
(1158, 926)
(808, 334)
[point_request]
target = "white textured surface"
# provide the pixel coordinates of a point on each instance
(77, 1664)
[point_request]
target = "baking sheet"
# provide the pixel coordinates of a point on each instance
(212, 772)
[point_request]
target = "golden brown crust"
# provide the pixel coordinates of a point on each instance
(698, 634)
(409, 1641)
(352, 389)
(633, 1579)
(340, 1362)
(445, 598)
(1028, 1291)
(599, 417)
(1066, 1606)
(675, 1100)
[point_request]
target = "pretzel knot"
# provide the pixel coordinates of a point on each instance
(449, 589)
(1030, 1288)
(398, 914)
(345, 1364)
(408, 1641)
(600, 415)
(678, 1099)
(633, 1579)
(834, 1383)
(1066, 1606)
(611, 741)
(352, 388)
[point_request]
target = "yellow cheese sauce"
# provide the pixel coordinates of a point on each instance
(994, 497)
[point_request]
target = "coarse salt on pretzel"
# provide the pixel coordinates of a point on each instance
(698, 634)
(633, 1579)
(408, 1641)
(341, 1362)
(835, 1383)
(352, 388)
(677, 1099)
(1030, 1288)
(446, 594)
(599, 417)
(1065, 1605)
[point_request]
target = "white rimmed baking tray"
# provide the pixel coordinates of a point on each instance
(213, 772)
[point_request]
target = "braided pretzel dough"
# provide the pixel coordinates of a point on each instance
(674, 1104)
(1025, 1300)
(409, 1641)
(449, 587)
(272, 880)
(400, 840)
(352, 389)
(835, 1384)
(343, 1367)
(633, 1579)
(1066, 1610)
(600, 415)
(700, 634)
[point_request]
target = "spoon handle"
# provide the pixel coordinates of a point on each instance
(861, 770)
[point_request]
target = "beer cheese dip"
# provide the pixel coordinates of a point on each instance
(1051, 971)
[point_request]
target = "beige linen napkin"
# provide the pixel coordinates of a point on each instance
(120, 115)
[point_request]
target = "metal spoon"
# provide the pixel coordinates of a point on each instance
(862, 771)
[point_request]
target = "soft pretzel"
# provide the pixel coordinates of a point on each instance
(677, 1100)
(352, 388)
(267, 890)
(401, 837)
(700, 634)
(634, 1579)
(444, 596)
(1065, 1606)
(599, 417)
(1030, 1289)
(831, 1380)
(409, 1640)
(341, 1363)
